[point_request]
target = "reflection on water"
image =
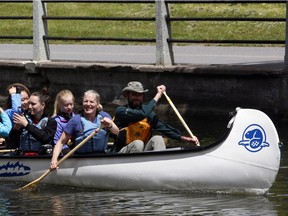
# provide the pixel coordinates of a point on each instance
(52, 200)
(69, 201)
(57, 200)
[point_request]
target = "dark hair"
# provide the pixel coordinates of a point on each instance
(43, 96)
(19, 88)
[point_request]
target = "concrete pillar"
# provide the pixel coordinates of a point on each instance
(164, 51)
(41, 50)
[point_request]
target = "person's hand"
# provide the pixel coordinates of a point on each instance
(53, 165)
(107, 123)
(20, 120)
(110, 125)
(194, 140)
(161, 89)
(12, 90)
(2, 141)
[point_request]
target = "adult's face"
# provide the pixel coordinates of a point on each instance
(135, 99)
(35, 106)
(90, 104)
(24, 100)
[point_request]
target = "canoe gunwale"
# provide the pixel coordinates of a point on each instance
(181, 150)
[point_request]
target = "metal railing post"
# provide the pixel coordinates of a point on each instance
(164, 51)
(40, 46)
(286, 39)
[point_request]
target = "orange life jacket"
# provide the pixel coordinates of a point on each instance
(138, 131)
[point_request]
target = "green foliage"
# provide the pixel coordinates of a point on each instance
(195, 30)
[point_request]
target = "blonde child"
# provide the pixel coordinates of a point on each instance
(63, 112)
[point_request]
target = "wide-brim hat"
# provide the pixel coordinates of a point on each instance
(134, 86)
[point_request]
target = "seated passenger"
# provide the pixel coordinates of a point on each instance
(137, 122)
(82, 125)
(17, 102)
(63, 112)
(36, 128)
(5, 125)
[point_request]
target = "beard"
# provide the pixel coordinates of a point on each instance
(136, 104)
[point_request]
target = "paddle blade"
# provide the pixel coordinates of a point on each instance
(28, 188)
(32, 185)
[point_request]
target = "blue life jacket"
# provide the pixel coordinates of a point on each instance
(61, 120)
(96, 144)
(27, 142)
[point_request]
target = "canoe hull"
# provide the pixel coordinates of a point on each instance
(227, 165)
(169, 172)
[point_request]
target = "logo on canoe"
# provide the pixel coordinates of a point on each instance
(254, 138)
(14, 169)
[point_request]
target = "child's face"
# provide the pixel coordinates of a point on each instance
(67, 104)
(24, 100)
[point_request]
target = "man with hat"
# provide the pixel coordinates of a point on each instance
(137, 120)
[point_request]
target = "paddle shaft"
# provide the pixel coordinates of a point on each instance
(78, 146)
(178, 114)
(61, 160)
(7, 150)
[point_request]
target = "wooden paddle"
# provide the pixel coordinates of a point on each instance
(179, 116)
(34, 183)
(7, 150)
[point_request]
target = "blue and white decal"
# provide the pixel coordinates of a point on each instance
(14, 169)
(254, 138)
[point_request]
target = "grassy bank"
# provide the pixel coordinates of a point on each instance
(143, 29)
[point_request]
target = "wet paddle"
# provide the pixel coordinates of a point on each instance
(179, 116)
(33, 184)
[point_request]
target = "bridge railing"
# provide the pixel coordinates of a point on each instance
(162, 20)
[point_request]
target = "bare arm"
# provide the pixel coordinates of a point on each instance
(110, 125)
(57, 150)
(160, 90)
(194, 140)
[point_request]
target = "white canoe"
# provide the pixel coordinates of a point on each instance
(247, 158)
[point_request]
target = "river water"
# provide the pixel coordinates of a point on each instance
(55, 200)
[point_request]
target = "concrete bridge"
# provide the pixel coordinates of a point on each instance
(205, 83)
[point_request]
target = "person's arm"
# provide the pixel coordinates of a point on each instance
(174, 133)
(15, 104)
(5, 125)
(59, 130)
(160, 90)
(46, 134)
(15, 100)
(193, 140)
(110, 125)
(57, 150)
(165, 129)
